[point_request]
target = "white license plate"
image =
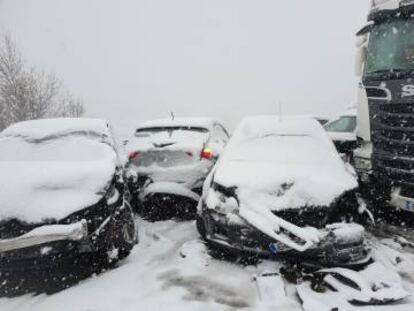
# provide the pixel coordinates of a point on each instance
(407, 205)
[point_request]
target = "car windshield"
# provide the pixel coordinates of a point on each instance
(60, 148)
(391, 47)
(280, 149)
(345, 124)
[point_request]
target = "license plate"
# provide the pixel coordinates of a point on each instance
(407, 205)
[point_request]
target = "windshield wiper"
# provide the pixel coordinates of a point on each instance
(389, 74)
(397, 72)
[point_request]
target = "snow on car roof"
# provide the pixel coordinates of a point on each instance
(386, 4)
(39, 129)
(261, 126)
(190, 122)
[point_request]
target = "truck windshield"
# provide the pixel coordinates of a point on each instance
(391, 48)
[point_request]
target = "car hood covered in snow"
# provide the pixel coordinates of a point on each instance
(283, 164)
(279, 187)
(48, 175)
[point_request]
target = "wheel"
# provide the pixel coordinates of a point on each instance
(201, 228)
(122, 234)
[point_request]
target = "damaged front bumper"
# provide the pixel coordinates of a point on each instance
(336, 249)
(51, 245)
(46, 234)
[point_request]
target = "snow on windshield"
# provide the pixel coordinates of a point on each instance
(68, 148)
(284, 151)
(42, 129)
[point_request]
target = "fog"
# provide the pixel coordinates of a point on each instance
(132, 60)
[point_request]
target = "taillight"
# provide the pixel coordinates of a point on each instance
(133, 155)
(207, 154)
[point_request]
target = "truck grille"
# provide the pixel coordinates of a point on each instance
(393, 139)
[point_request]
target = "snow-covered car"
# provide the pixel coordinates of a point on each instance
(280, 189)
(173, 158)
(62, 194)
(342, 131)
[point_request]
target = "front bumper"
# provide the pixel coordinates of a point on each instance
(168, 188)
(334, 250)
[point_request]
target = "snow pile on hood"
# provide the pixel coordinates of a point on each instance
(47, 174)
(283, 163)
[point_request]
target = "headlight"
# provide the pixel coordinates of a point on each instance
(363, 164)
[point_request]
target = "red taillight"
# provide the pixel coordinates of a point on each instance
(133, 155)
(207, 154)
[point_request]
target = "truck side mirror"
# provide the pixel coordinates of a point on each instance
(361, 54)
(361, 44)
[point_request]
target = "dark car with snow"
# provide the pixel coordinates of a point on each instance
(173, 158)
(62, 194)
(281, 190)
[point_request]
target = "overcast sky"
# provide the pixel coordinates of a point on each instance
(132, 60)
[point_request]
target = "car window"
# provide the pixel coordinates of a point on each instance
(220, 136)
(345, 124)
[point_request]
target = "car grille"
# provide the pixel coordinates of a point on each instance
(393, 139)
(308, 216)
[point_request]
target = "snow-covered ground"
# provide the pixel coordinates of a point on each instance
(171, 270)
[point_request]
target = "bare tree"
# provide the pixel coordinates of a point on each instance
(26, 93)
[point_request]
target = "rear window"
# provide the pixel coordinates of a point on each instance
(171, 131)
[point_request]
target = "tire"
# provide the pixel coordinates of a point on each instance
(201, 228)
(123, 234)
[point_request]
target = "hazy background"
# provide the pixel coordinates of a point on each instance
(132, 60)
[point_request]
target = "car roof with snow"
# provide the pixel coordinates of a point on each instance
(263, 126)
(386, 4)
(39, 129)
(206, 123)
